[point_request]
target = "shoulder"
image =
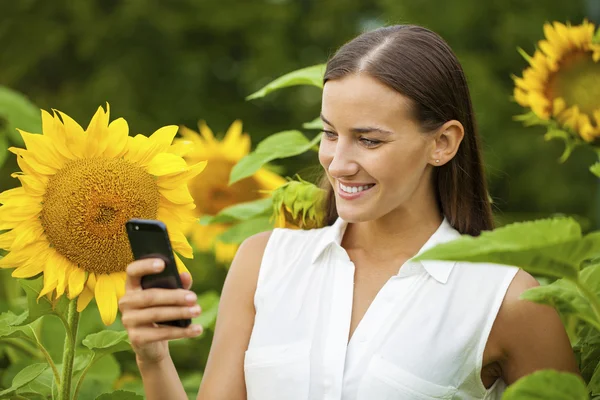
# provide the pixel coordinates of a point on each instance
(246, 265)
(530, 336)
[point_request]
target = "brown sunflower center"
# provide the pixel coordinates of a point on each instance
(577, 82)
(211, 193)
(86, 206)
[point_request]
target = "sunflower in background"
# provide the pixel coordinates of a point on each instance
(79, 187)
(562, 84)
(212, 192)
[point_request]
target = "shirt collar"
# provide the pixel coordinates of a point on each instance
(439, 270)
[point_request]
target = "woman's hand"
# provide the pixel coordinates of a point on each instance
(142, 309)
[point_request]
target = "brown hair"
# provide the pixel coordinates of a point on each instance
(420, 65)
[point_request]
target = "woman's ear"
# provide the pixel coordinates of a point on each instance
(446, 142)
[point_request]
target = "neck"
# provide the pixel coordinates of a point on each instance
(399, 234)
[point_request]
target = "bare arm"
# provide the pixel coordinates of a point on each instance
(224, 374)
(531, 335)
(141, 309)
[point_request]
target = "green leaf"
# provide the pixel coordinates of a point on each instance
(209, 303)
(239, 212)
(547, 384)
(279, 145)
(42, 385)
(107, 342)
(570, 141)
(25, 376)
(595, 169)
(16, 111)
(531, 119)
(565, 297)
(120, 395)
(588, 350)
(550, 247)
(316, 123)
(3, 147)
(43, 306)
(306, 76)
(239, 232)
(594, 383)
(596, 38)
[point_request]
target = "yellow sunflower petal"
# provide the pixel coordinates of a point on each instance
(30, 231)
(84, 299)
(33, 166)
(181, 268)
(268, 180)
(106, 298)
(119, 133)
(173, 181)
(235, 144)
(177, 196)
(97, 133)
(119, 282)
(76, 282)
(28, 270)
(225, 252)
(74, 135)
(166, 163)
(180, 244)
(7, 239)
(206, 132)
(50, 280)
(33, 185)
(43, 146)
(55, 130)
(182, 147)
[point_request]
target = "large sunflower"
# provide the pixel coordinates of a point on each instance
(79, 187)
(212, 193)
(563, 80)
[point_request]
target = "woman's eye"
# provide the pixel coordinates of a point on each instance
(369, 142)
(329, 135)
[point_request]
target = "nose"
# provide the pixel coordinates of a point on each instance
(343, 163)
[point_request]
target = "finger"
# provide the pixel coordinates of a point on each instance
(157, 297)
(147, 316)
(145, 335)
(186, 279)
(139, 268)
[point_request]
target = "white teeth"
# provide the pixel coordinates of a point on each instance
(354, 189)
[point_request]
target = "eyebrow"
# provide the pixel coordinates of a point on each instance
(366, 129)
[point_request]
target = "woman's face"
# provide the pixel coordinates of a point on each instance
(376, 158)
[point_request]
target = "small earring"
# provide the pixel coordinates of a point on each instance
(437, 161)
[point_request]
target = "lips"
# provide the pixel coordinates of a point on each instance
(357, 190)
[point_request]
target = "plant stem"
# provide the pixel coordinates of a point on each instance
(591, 297)
(69, 351)
(82, 376)
(46, 355)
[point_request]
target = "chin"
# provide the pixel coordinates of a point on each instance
(354, 214)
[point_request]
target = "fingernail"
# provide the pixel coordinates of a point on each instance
(190, 297)
(196, 328)
(157, 265)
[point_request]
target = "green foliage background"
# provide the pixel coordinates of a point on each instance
(160, 63)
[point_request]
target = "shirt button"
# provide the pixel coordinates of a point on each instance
(328, 383)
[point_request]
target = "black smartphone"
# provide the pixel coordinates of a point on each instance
(149, 239)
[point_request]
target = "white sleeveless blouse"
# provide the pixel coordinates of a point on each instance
(422, 337)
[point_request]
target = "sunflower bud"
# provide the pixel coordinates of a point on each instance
(298, 205)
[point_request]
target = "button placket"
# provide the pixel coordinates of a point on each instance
(339, 324)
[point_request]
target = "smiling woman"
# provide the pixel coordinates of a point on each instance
(345, 311)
